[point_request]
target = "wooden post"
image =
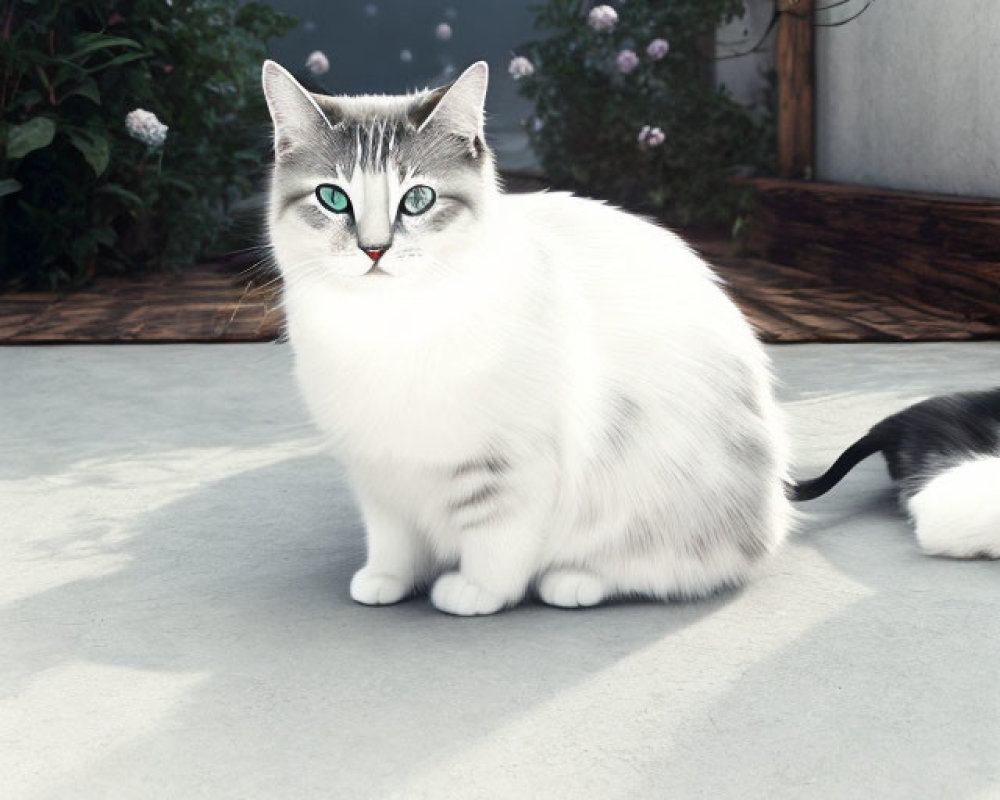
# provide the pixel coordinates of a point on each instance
(795, 67)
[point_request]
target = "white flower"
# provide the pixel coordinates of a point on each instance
(602, 18)
(443, 31)
(627, 61)
(318, 63)
(520, 67)
(657, 49)
(405, 56)
(144, 126)
(650, 137)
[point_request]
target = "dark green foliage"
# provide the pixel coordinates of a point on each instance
(588, 114)
(78, 195)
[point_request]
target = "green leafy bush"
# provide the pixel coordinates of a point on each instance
(78, 194)
(599, 85)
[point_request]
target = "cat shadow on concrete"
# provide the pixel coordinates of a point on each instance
(241, 586)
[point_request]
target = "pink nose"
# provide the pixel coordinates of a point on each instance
(375, 253)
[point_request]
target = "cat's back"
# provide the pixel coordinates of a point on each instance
(593, 232)
(627, 270)
(939, 431)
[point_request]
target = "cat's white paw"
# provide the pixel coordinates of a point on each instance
(377, 588)
(453, 593)
(570, 588)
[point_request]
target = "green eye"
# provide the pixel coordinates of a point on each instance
(333, 198)
(418, 200)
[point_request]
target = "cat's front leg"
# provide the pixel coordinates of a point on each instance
(397, 558)
(496, 567)
(499, 552)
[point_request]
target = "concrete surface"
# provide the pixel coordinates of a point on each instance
(907, 96)
(175, 623)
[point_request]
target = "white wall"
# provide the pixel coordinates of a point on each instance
(745, 77)
(908, 96)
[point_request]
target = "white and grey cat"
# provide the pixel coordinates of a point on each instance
(526, 391)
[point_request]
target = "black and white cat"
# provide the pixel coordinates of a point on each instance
(944, 454)
(525, 390)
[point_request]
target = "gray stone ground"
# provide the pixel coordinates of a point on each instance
(175, 623)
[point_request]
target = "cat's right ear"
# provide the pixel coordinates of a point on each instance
(294, 112)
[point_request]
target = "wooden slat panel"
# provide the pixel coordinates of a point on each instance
(786, 303)
(941, 251)
(203, 304)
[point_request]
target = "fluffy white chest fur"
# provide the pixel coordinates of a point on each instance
(533, 390)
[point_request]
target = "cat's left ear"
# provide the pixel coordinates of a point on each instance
(459, 107)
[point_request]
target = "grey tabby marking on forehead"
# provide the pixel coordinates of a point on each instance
(436, 152)
(369, 144)
(371, 133)
(377, 145)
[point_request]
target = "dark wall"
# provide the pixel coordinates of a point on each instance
(364, 39)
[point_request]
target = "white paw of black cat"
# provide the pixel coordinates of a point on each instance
(453, 593)
(372, 588)
(570, 588)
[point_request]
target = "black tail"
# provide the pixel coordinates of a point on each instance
(859, 451)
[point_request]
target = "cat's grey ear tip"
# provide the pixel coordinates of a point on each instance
(479, 71)
(272, 70)
(269, 70)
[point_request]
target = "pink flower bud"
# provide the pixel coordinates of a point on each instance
(602, 18)
(520, 67)
(627, 61)
(318, 63)
(657, 49)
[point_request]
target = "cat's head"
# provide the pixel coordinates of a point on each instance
(373, 187)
